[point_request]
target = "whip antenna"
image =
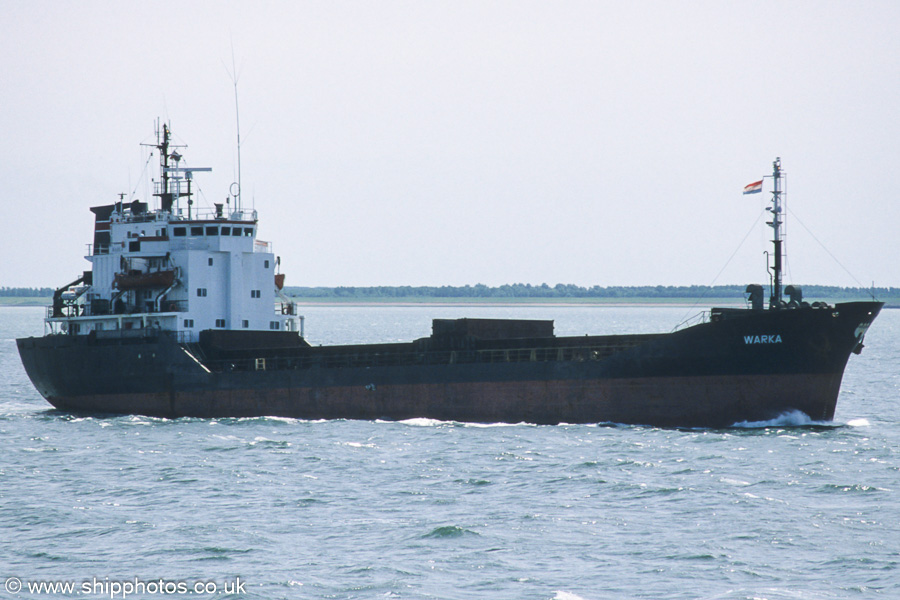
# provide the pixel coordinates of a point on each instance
(236, 186)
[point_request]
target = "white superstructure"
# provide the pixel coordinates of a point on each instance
(176, 268)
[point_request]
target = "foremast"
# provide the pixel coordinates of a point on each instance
(776, 223)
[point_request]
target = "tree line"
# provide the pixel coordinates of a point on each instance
(527, 290)
(25, 292)
(561, 290)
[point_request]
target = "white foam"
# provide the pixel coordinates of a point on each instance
(794, 418)
(483, 425)
(858, 423)
(423, 422)
(283, 419)
(566, 596)
(736, 482)
(358, 445)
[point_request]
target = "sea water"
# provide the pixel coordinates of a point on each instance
(268, 508)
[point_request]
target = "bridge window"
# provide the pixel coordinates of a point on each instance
(201, 292)
(179, 231)
(220, 322)
(212, 230)
(188, 323)
(196, 231)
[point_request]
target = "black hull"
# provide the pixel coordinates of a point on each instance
(742, 366)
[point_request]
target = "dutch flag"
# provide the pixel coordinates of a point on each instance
(753, 188)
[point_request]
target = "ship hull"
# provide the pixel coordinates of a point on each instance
(745, 366)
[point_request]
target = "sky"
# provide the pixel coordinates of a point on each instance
(452, 143)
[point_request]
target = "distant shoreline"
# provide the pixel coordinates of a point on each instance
(25, 301)
(418, 301)
(619, 302)
(637, 302)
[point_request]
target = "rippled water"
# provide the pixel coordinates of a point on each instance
(425, 509)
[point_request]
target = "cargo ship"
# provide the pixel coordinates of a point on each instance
(182, 314)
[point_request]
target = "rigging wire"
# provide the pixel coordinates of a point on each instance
(784, 229)
(833, 257)
(716, 278)
(141, 178)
